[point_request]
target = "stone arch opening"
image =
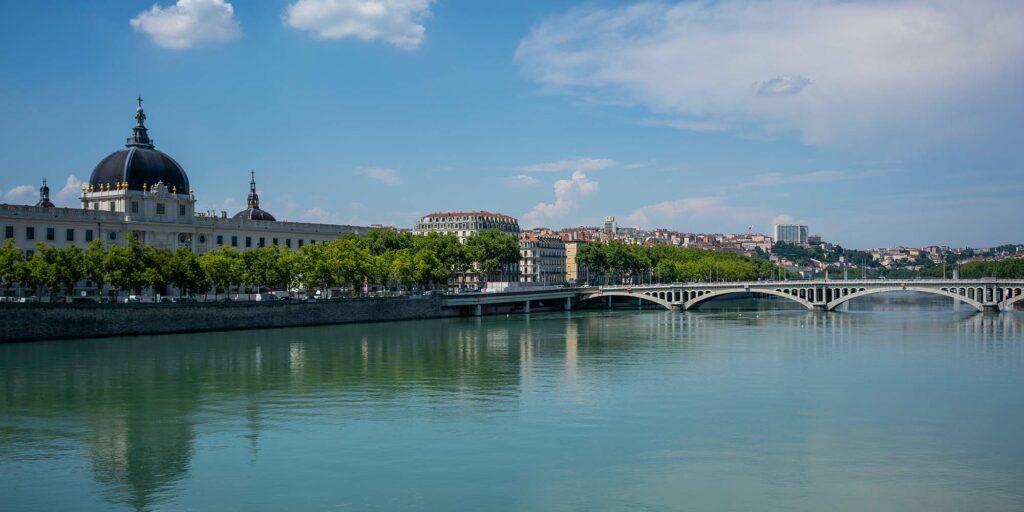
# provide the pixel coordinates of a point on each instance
(862, 292)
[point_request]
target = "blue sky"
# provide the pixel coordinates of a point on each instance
(877, 123)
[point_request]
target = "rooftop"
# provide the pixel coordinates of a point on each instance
(480, 213)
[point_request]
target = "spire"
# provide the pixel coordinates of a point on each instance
(254, 199)
(140, 134)
(44, 196)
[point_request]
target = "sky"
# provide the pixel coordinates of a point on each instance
(876, 123)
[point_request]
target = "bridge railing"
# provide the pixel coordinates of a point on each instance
(814, 282)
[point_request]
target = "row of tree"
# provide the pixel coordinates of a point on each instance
(1011, 268)
(617, 262)
(382, 258)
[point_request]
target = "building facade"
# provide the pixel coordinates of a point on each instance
(572, 269)
(791, 233)
(143, 192)
(464, 225)
(541, 259)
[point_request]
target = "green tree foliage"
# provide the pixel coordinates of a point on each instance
(1011, 268)
(33, 272)
(623, 263)
(10, 260)
(491, 250)
(70, 268)
(450, 253)
(94, 264)
(185, 273)
(802, 255)
(222, 268)
(127, 266)
(383, 257)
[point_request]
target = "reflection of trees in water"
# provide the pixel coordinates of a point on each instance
(138, 398)
(138, 454)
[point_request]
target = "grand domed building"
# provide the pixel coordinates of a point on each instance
(142, 191)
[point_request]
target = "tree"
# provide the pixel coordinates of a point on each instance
(32, 271)
(492, 250)
(313, 267)
(383, 241)
(591, 257)
(221, 268)
(403, 267)
(10, 258)
(47, 268)
(429, 270)
(158, 268)
(126, 266)
(185, 273)
(347, 261)
(70, 268)
(93, 264)
(452, 255)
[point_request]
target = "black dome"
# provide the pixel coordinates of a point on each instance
(138, 166)
(253, 214)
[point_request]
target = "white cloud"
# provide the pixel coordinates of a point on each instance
(571, 164)
(693, 125)
(70, 192)
(785, 84)
(901, 76)
(20, 193)
(189, 23)
(521, 181)
(567, 195)
(396, 21)
(381, 174)
(778, 178)
(782, 219)
(702, 213)
(317, 215)
(229, 205)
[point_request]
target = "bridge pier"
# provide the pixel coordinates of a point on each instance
(568, 304)
(990, 308)
(478, 310)
(526, 307)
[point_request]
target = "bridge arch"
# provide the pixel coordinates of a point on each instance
(648, 296)
(935, 291)
(700, 299)
(1015, 295)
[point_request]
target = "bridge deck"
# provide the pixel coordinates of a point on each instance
(982, 294)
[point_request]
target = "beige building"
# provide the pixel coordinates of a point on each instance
(542, 259)
(572, 270)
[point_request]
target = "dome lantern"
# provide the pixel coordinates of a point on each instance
(139, 163)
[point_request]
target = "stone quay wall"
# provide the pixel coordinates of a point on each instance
(42, 321)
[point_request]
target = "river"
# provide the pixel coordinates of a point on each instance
(894, 404)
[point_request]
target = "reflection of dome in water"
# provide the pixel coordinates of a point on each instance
(139, 164)
(253, 212)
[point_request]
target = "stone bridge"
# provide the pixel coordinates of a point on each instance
(981, 294)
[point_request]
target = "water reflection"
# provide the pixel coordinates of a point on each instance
(136, 407)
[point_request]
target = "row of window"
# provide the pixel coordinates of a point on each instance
(51, 234)
(70, 235)
(161, 208)
(261, 242)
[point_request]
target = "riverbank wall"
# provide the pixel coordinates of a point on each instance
(40, 321)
